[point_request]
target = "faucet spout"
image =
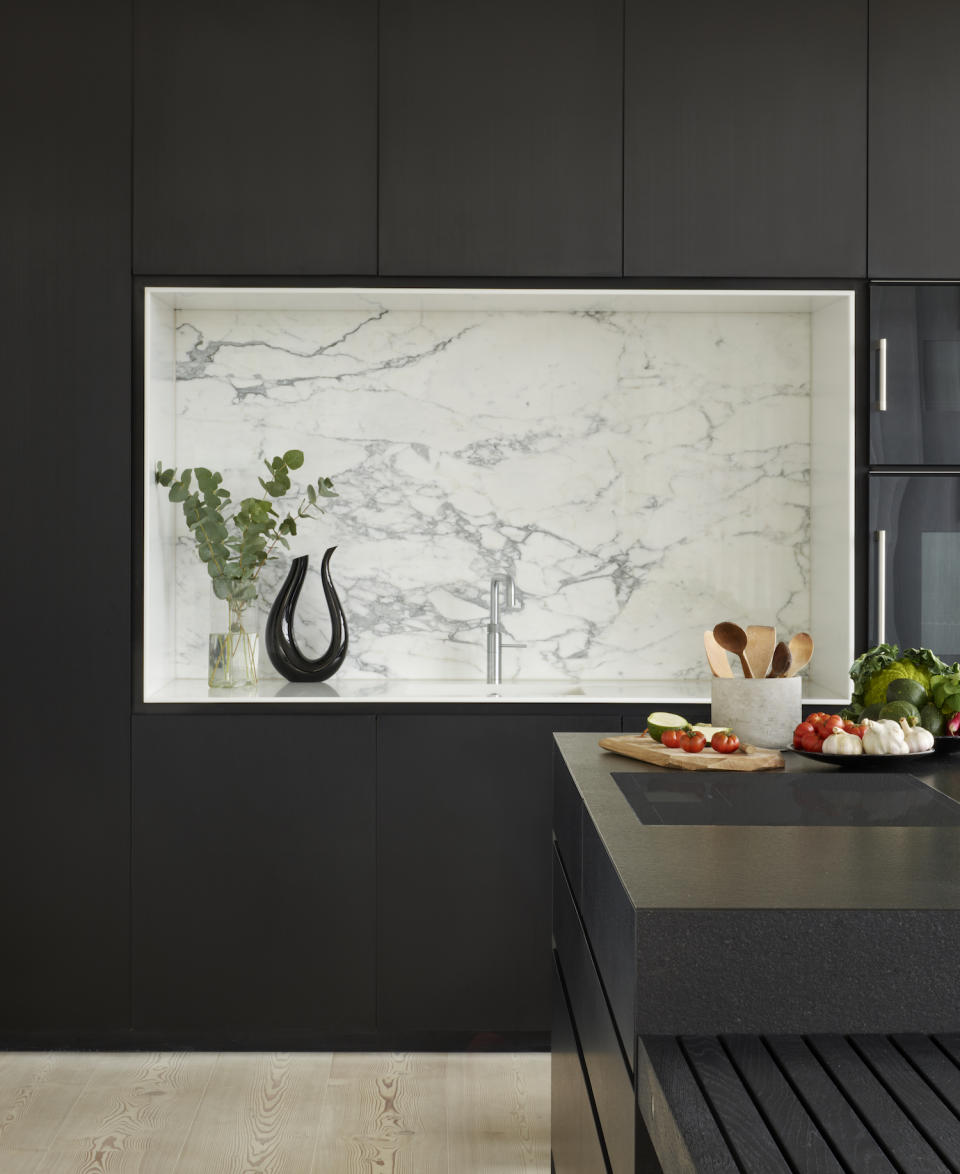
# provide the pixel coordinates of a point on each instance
(495, 643)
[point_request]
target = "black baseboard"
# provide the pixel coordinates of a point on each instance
(199, 1041)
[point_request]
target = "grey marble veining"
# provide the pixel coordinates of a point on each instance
(641, 475)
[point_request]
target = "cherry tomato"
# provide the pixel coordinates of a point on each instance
(693, 743)
(811, 741)
(828, 724)
(725, 742)
(671, 738)
(850, 727)
(802, 728)
(813, 718)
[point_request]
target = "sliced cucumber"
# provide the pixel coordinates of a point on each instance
(657, 723)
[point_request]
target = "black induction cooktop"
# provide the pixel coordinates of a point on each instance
(846, 799)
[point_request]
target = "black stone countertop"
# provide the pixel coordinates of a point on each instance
(738, 867)
(761, 929)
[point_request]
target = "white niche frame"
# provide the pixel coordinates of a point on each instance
(832, 316)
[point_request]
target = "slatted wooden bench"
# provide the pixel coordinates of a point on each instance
(828, 1104)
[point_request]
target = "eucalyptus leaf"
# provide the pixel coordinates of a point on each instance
(293, 458)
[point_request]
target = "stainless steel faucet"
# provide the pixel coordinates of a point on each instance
(495, 629)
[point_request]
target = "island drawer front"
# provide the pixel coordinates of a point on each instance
(607, 1070)
(575, 1146)
(567, 816)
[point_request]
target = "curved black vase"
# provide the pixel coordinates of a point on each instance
(282, 648)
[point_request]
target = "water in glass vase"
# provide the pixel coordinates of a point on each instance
(234, 643)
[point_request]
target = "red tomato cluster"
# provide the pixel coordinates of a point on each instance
(693, 741)
(812, 733)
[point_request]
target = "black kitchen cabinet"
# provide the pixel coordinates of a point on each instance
(65, 331)
(255, 137)
(914, 164)
(253, 876)
(915, 562)
(745, 139)
(500, 138)
(465, 874)
(915, 377)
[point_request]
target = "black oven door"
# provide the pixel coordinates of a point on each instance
(915, 561)
(915, 375)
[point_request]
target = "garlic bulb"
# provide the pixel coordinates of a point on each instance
(917, 738)
(883, 737)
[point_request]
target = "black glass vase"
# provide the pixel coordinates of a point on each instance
(281, 644)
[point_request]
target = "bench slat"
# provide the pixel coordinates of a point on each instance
(747, 1134)
(942, 1073)
(951, 1045)
(930, 1115)
(850, 1137)
(694, 1120)
(885, 1118)
(788, 1118)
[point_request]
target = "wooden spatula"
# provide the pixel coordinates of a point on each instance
(801, 648)
(782, 659)
(761, 641)
(716, 657)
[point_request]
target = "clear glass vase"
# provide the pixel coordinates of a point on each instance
(234, 643)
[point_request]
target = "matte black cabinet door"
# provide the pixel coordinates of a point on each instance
(65, 340)
(465, 869)
(255, 137)
(915, 377)
(253, 877)
(500, 137)
(914, 162)
(745, 139)
(915, 564)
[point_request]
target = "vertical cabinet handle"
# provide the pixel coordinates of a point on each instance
(881, 536)
(880, 346)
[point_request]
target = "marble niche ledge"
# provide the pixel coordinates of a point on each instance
(188, 691)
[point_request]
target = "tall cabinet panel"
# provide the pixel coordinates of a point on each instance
(500, 137)
(253, 875)
(255, 137)
(65, 335)
(465, 869)
(914, 162)
(745, 139)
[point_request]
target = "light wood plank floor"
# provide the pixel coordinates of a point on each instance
(274, 1113)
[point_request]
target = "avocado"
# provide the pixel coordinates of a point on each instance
(933, 720)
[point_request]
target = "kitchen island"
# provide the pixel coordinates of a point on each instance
(848, 923)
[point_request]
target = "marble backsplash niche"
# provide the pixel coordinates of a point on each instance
(640, 474)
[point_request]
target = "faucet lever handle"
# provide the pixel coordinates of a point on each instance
(502, 645)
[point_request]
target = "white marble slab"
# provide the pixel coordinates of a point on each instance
(641, 474)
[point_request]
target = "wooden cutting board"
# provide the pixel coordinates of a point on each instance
(642, 746)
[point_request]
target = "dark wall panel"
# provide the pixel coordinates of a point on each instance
(255, 148)
(745, 139)
(914, 161)
(65, 337)
(500, 137)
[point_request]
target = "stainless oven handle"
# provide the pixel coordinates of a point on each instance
(880, 346)
(881, 536)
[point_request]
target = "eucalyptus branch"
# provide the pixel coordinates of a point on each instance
(235, 548)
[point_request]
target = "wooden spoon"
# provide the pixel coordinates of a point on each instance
(761, 639)
(801, 649)
(716, 657)
(782, 660)
(734, 639)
